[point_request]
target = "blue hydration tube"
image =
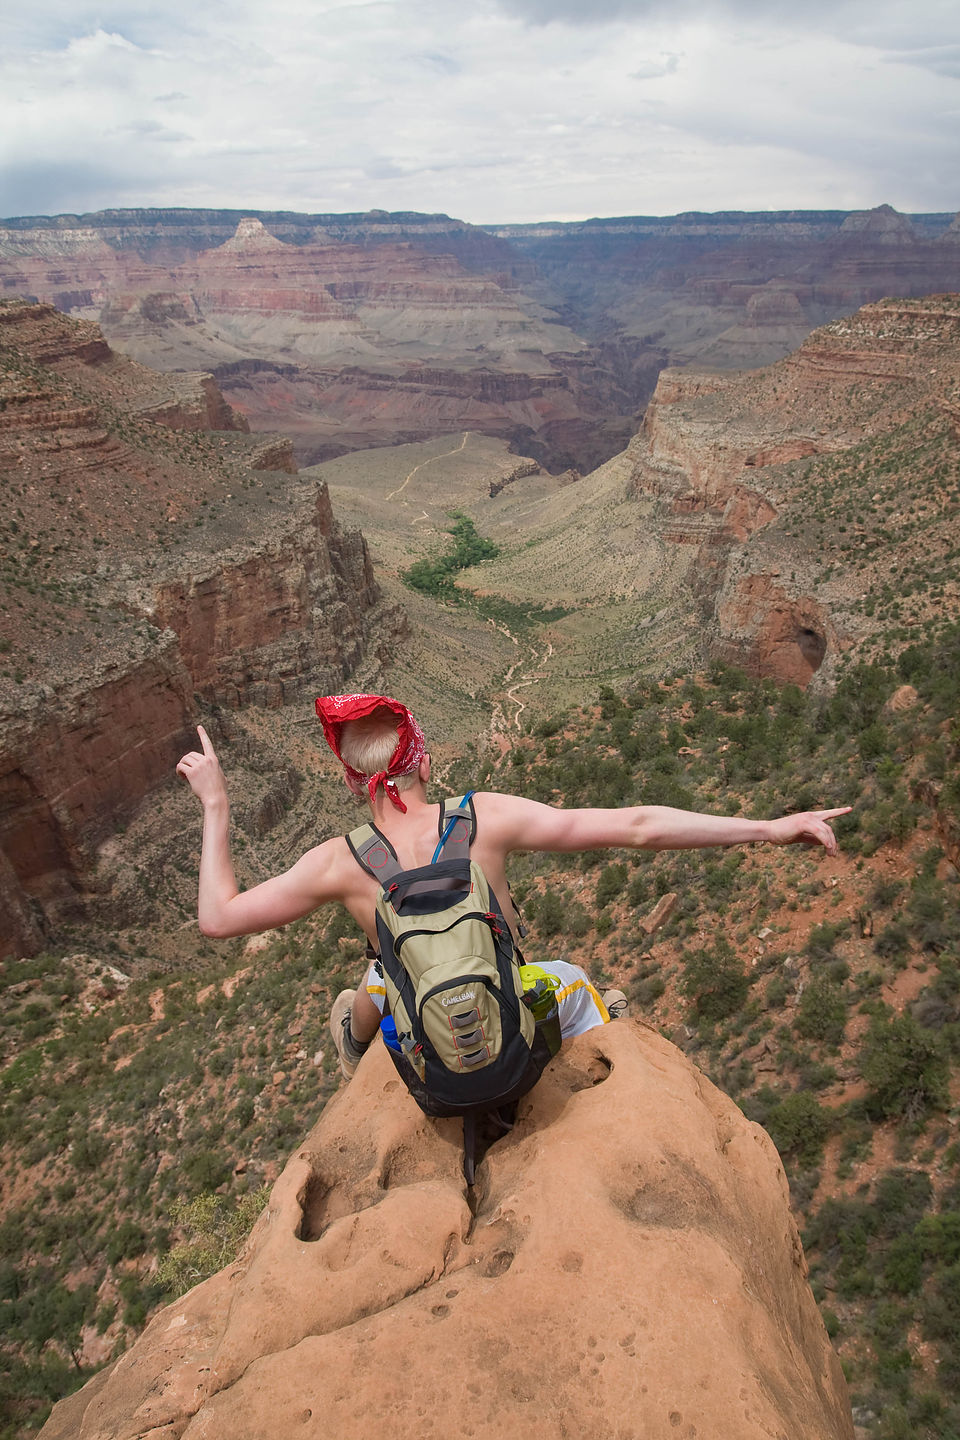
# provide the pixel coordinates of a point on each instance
(448, 827)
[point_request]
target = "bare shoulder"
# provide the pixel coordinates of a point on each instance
(512, 821)
(328, 865)
(494, 806)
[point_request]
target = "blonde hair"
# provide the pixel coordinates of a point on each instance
(367, 745)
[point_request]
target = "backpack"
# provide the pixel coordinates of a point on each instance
(467, 1043)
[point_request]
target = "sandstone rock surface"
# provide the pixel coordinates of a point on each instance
(627, 1267)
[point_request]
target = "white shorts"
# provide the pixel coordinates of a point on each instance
(580, 1005)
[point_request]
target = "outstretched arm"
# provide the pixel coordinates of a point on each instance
(223, 909)
(527, 825)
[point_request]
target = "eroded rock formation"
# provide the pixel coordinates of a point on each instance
(74, 762)
(628, 1266)
(719, 463)
(548, 335)
(147, 560)
(348, 334)
(733, 289)
(290, 612)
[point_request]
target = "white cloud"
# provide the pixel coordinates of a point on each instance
(938, 59)
(655, 69)
(489, 112)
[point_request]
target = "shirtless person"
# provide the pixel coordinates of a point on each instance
(382, 749)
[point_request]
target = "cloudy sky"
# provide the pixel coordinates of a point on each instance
(492, 110)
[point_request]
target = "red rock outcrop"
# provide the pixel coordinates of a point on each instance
(696, 469)
(627, 1266)
(73, 350)
(73, 765)
(768, 632)
(289, 612)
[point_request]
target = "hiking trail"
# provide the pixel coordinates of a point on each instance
(536, 658)
(423, 463)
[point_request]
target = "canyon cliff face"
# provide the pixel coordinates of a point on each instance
(347, 332)
(271, 623)
(733, 289)
(353, 331)
(652, 1269)
(74, 762)
(147, 562)
(740, 470)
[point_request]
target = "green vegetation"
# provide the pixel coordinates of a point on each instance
(214, 1230)
(136, 1122)
(715, 980)
(436, 576)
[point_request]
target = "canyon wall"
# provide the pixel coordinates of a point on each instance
(732, 289)
(290, 615)
(74, 763)
(148, 563)
(360, 330)
(347, 335)
(730, 467)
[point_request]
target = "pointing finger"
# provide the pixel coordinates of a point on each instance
(205, 741)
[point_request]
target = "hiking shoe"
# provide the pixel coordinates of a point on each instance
(616, 1002)
(349, 1051)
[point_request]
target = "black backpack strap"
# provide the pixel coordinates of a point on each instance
(373, 852)
(470, 1146)
(456, 826)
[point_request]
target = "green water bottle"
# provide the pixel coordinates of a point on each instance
(540, 996)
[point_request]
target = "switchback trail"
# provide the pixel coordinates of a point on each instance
(535, 661)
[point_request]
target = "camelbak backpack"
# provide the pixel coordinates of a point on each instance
(466, 1042)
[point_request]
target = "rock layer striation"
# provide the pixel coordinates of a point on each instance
(148, 561)
(721, 464)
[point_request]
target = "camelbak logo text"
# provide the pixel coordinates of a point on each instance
(455, 999)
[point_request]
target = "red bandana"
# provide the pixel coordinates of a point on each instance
(335, 710)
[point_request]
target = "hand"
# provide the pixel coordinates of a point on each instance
(809, 828)
(202, 772)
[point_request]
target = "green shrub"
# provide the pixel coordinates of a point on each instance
(822, 1012)
(214, 1229)
(893, 942)
(715, 980)
(941, 1310)
(649, 989)
(939, 1237)
(904, 1067)
(799, 1127)
(903, 1265)
(612, 880)
(205, 1170)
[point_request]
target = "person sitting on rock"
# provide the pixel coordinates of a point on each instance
(385, 760)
